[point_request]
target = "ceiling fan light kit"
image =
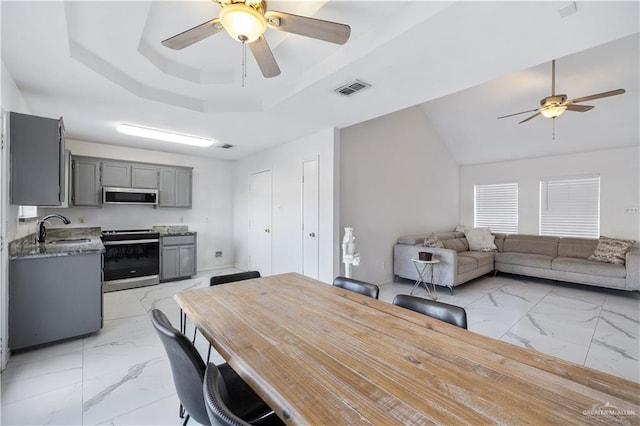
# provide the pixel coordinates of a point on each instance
(243, 23)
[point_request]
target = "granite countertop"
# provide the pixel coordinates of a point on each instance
(173, 230)
(27, 247)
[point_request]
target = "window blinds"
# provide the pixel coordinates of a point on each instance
(496, 206)
(570, 207)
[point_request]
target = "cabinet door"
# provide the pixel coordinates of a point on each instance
(116, 174)
(37, 160)
(86, 182)
(167, 190)
(144, 176)
(183, 188)
(170, 263)
(187, 261)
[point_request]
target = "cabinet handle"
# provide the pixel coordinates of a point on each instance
(267, 230)
(313, 234)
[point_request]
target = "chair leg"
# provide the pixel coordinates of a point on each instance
(186, 420)
(181, 411)
(209, 354)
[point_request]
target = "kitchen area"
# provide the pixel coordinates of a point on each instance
(59, 272)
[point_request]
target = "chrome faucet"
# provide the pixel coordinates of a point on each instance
(42, 231)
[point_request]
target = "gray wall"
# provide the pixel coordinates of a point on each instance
(397, 178)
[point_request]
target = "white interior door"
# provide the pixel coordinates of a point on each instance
(260, 222)
(310, 208)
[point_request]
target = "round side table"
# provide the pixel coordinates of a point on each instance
(421, 268)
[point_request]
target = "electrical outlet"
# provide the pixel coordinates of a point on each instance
(631, 210)
(219, 254)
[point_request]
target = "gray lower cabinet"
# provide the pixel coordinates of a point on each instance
(54, 298)
(175, 187)
(37, 160)
(85, 182)
(178, 257)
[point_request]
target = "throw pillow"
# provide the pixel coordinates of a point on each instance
(610, 250)
(480, 239)
(433, 241)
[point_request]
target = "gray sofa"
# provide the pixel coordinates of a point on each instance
(556, 258)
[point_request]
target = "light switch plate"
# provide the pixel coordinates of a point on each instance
(631, 209)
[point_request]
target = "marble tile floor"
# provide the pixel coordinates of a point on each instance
(120, 376)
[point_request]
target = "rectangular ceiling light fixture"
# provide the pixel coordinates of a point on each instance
(163, 135)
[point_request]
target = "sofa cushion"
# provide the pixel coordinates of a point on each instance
(483, 258)
(525, 259)
(412, 240)
(499, 240)
(583, 266)
(535, 244)
(466, 264)
(580, 248)
(433, 241)
(457, 244)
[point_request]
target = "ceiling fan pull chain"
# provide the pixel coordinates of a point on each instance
(244, 62)
(553, 134)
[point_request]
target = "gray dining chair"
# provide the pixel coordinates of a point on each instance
(443, 311)
(357, 286)
(188, 370)
(222, 410)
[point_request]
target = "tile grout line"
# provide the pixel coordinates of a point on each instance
(586, 356)
(528, 312)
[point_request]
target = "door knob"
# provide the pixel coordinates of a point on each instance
(313, 234)
(267, 230)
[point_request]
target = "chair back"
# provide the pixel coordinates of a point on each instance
(187, 367)
(216, 399)
(229, 278)
(443, 311)
(357, 286)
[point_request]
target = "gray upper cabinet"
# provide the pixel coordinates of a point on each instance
(91, 174)
(175, 187)
(37, 160)
(116, 174)
(86, 181)
(144, 176)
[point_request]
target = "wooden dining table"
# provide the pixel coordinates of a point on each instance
(322, 355)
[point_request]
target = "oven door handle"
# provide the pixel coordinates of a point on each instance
(129, 242)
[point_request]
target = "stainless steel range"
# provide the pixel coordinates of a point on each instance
(131, 258)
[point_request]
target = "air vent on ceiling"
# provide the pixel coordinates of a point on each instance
(225, 146)
(351, 88)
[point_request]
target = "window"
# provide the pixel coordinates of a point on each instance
(496, 206)
(570, 206)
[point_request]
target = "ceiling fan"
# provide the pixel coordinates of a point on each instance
(555, 105)
(247, 20)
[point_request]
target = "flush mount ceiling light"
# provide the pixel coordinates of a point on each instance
(163, 135)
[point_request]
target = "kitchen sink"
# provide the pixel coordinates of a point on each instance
(70, 241)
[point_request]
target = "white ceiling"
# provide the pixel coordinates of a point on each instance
(99, 63)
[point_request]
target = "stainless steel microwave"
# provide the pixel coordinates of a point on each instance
(111, 195)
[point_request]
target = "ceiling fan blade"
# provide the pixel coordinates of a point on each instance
(332, 32)
(518, 113)
(193, 35)
(598, 96)
(579, 108)
(264, 57)
(533, 116)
